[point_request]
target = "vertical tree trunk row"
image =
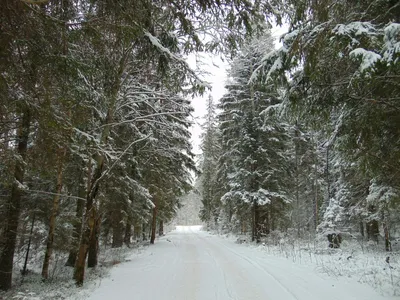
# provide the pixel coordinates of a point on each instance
(154, 223)
(94, 243)
(13, 204)
(89, 224)
(161, 228)
(54, 212)
(128, 232)
(76, 234)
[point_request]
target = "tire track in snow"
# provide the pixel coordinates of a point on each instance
(187, 275)
(240, 282)
(257, 266)
(229, 292)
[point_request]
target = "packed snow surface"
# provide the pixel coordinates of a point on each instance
(189, 264)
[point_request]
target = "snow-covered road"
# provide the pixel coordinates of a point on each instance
(194, 265)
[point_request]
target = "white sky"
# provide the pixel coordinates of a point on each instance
(216, 76)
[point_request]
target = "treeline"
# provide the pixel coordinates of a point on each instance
(94, 118)
(306, 139)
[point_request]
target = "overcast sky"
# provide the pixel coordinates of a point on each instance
(216, 69)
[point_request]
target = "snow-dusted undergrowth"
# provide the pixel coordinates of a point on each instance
(60, 284)
(363, 261)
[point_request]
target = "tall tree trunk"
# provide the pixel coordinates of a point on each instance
(373, 230)
(328, 182)
(118, 231)
(256, 230)
(128, 232)
(388, 246)
(137, 231)
(24, 270)
(54, 212)
(154, 223)
(89, 224)
(316, 192)
(90, 212)
(94, 243)
(297, 186)
(243, 223)
(361, 224)
(76, 234)
(13, 205)
(258, 224)
(161, 228)
(144, 228)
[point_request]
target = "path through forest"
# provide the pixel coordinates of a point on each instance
(193, 265)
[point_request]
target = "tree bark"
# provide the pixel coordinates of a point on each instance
(52, 223)
(76, 234)
(144, 228)
(94, 244)
(257, 223)
(13, 205)
(137, 231)
(373, 230)
(316, 195)
(89, 224)
(90, 213)
(118, 232)
(161, 228)
(297, 185)
(388, 246)
(24, 270)
(361, 223)
(256, 230)
(154, 224)
(128, 233)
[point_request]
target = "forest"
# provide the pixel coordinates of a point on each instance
(95, 115)
(306, 139)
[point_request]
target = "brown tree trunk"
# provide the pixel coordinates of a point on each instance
(137, 231)
(94, 244)
(13, 205)
(154, 224)
(373, 230)
(244, 225)
(269, 221)
(128, 233)
(316, 195)
(388, 246)
(257, 223)
(25, 270)
(89, 224)
(144, 228)
(54, 212)
(79, 272)
(361, 224)
(76, 234)
(90, 214)
(297, 180)
(118, 232)
(161, 228)
(256, 230)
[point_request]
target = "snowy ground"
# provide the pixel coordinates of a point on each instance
(60, 285)
(189, 264)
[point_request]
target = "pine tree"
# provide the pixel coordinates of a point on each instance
(255, 141)
(209, 180)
